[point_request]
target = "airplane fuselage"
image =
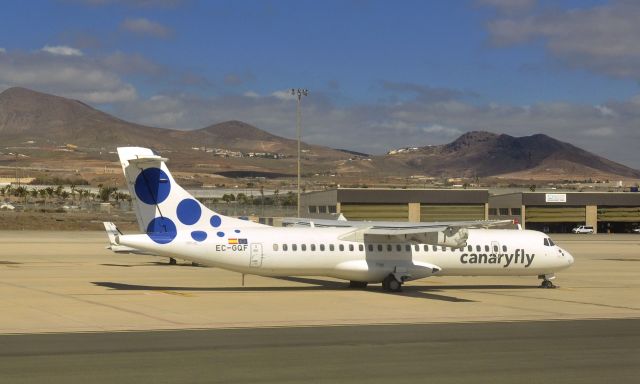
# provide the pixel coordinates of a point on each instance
(270, 251)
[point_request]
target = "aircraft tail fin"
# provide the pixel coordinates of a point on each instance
(163, 208)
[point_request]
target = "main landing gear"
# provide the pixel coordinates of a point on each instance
(172, 261)
(391, 284)
(546, 281)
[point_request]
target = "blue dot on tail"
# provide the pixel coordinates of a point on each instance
(199, 235)
(189, 211)
(237, 231)
(215, 221)
(220, 234)
(162, 230)
(152, 186)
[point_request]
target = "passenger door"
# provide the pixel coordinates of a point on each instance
(255, 259)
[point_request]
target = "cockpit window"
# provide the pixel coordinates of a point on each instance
(548, 242)
(551, 243)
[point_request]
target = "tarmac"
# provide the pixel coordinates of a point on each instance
(72, 311)
(583, 351)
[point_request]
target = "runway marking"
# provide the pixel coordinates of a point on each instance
(177, 293)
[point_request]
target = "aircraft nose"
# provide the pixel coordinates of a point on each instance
(568, 256)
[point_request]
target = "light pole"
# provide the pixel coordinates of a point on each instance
(299, 93)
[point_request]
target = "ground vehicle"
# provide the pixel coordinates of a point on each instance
(583, 229)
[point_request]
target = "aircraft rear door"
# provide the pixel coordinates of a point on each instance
(256, 255)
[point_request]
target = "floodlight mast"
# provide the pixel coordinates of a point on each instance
(299, 93)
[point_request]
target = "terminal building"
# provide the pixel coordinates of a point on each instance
(413, 205)
(606, 212)
(558, 212)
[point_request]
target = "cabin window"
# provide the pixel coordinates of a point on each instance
(332, 247)
(341, 247)
(379, 247)
(275, 247)
(444, 248)
(370, 247)
(478, 248)
(470, 248)
(294, 247)
(425, 248)
(303, 247)
(313, 247)
(284, 247)
(389, 248)
(322, 247)
(504, 248)
(361, 247)
(398, 247)
(416, 247)
(495, 248)
(313, 209)
(486, 248)
(350, 247)
(407, 247)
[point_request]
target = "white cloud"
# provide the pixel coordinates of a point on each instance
(283, 95)
(61, 50)
(442, 130)
(251, 94)
(605, 111)
(600, 132)
(87, 79)
(142, 26)
(601, 38)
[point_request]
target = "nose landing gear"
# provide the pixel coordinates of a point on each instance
(546, 281)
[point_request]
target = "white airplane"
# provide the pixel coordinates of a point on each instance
(175, 224)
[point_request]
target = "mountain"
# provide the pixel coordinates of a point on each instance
(485, 154)
(49, 120)
(27, 115)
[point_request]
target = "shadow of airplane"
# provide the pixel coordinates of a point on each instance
(154, 264)
(414, 291)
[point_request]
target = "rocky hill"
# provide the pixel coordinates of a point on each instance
(485, 154)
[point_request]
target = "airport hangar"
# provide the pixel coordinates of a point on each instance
(557, 212)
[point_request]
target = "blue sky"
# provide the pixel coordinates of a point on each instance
(381, 74)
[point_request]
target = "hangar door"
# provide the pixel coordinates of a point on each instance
(451, 212)
(382, 212)
(555, 214)
(619, 214)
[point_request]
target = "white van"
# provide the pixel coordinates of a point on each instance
(583, 229)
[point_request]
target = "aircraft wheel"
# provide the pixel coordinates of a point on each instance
(358, 284)
(391, 284)
(547, 284)
(172, 261)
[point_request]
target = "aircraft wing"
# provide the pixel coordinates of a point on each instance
(436, 225)
(448, 236)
